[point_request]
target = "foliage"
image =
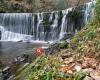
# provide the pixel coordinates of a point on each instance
(63, 45)
(63, 4)
(36, 5)
(80, 75)
(90, 35)
(97, 10)
(43, 68)
(3, 6)
(89, 32)
(30, 1)
(87, 41)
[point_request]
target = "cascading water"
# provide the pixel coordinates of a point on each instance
(15, 26)
(89, 10)
(40, 26)
(64, 23)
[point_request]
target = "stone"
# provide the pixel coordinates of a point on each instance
(88, 78)
(6, 69)
(0, 73)
(6, 73)
(95, 75)
(11, 77)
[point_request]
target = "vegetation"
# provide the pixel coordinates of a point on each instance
(48, 68)
(97, 10)
(36, 5)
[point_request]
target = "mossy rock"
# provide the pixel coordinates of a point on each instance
(63, 45)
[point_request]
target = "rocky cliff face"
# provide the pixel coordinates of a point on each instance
(37, 5)
(77, 2)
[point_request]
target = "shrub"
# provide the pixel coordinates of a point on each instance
(80, 75)
(97, 10)
(90, 35)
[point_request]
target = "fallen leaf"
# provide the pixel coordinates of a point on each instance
(64, 69)
(78, 68)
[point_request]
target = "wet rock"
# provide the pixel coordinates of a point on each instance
(11, 77)
(56, 47)
(1, 64)
(6, 73)
(23, 58)
(6, 69)
(53, 48)
(0, 74)
(20, 41)
(17, 60)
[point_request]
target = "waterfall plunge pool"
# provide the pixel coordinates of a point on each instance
(9, 50)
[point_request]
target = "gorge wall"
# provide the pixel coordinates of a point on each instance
(37, 5)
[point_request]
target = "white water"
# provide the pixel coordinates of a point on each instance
(38, 27)
(89, 10)
(64, 22)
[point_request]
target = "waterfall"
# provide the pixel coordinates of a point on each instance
(52, 26)
(15, 26)
(64, 23)
(89, 10)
